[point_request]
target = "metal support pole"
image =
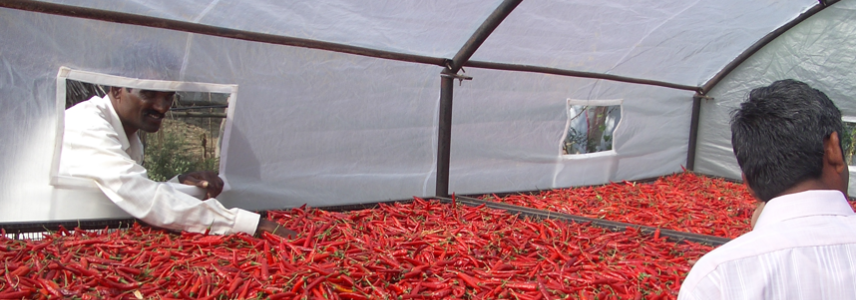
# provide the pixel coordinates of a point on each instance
(691, 147)
(578, 74)
(447, 78)
(444, 137)
(482, 33)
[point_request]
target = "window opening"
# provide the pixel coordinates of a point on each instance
(848, 141)
(190, 136)
(591, 126)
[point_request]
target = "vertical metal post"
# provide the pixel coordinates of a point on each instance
(444, 137)
(447, 78)
(691, 147)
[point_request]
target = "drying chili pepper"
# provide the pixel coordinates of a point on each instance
(416, 250)
(685, 202)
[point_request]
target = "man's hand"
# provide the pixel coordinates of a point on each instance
(207, 180)
(274, 228)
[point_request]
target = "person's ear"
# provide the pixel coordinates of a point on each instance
(115, 92)
(832, 153)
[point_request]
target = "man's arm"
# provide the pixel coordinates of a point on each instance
(95, 152)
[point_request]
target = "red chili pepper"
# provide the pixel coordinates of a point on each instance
(522, 286)
(15, 295)
(352, 296)
(120, 286)
(20, 271)
(472, 282)
(245, 290)
(298, 285)
(233, 287)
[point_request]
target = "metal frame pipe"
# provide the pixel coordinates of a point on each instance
(444, 136)
(672, 235)
(579, 74)
(693, 140)
(482, 33)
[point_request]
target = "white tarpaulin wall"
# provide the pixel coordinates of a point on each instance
(325, 128)
(818, 51)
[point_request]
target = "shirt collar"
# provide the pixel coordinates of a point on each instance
(116, 122)
(804, 204)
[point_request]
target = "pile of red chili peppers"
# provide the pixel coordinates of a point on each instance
(684, 202)
(417, 250)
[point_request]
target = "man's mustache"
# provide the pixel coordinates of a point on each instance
(154, 112)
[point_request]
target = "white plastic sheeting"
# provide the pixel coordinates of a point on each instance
(683, 42)
(435, 28)
(818, 51)
(507, 128)
(324, 128)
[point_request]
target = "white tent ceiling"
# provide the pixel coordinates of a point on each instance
(683, 42)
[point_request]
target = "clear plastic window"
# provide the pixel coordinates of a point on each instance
(591, 126)
(848, 141)
(189, 138)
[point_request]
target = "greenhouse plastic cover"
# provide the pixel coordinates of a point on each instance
(818, 52)
(326, 128)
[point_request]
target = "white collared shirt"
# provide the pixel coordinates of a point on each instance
(96, 147)
(802, 247)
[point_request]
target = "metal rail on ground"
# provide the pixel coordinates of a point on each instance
(30, 230)
(34, 230)
(672, 235)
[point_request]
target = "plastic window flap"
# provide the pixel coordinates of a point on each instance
(66, 73)
(575, 102)
(852, 141)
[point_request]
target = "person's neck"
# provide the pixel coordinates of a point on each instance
(808, 185)
(129, 131)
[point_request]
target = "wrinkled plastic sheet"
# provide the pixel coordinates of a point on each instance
(818, 51)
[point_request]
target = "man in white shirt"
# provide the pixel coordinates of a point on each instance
(100, 142)
(787, 139)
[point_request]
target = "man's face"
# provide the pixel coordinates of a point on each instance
(142, 109)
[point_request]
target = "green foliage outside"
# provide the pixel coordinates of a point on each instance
(168, 156)
(848, 140)
(575, 141)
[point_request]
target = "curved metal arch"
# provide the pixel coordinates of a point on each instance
(710, 84)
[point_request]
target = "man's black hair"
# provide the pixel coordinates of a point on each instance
(778, 135)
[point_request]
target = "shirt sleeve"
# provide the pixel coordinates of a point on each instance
(94, 151)
(191, 190)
